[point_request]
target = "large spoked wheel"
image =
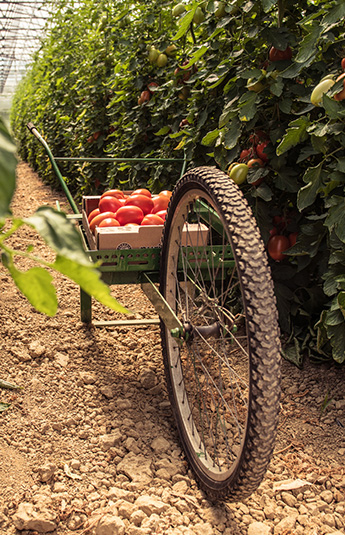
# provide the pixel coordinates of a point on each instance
(223, 365)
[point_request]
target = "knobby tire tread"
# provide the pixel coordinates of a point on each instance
(262, 325)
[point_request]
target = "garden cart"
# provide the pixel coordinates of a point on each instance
(210, 283)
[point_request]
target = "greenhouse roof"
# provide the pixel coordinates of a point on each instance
(22, 24)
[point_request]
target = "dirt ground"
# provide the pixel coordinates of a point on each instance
(82, 385)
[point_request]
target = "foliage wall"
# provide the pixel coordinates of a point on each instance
(95, 88)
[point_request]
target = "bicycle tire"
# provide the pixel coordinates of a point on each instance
(224, 383)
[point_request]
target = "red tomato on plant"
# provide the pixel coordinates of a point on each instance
(113, 193)
(152, 219)
(343, 64)
(109, 204)
(109, 222)
(129, 214)
(98, 218)
(143, 201)
(93, 214)
(160, 203)
(142, 191)
(279, 55)
(247, 154)
(260, 150)
(276, 246)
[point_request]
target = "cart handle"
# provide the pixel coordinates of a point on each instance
(35, 132)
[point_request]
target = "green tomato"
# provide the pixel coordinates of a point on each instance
(220, 11)
(162, 60)
(178, 10)
(153, 54)
(239, 173)
(199, 16)
(320, 90)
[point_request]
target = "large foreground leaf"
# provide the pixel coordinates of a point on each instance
(89, 280)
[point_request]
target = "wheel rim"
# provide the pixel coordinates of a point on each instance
(209, 367)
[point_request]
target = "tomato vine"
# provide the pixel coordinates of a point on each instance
(214, 93)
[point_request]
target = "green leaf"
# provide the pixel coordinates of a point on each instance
(8, 164)
(307, 195)
(36, 285)
(335, 219)
(59, 233)
(4, 406)
(334, 15)
(210, 138)
(89, 280)
(292, 353)
(185, 23)
(163, 131)
(308, 45)
(268, 4)
(196, 56)
(333, 109)
(341, 302)
(8, 386)
(247, 106)
(295, 134)
(232, 134)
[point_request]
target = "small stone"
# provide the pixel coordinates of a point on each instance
(110, 525)
(259, 528)
(160, 445)
(46, 472)
(59, 487)
(123, 404)
(111, 440)
(36, 349)
(137, 517)
(150, 505)
(137, 468)
(88, 378)
(147, 378)
(289, 499)
(107, 392)
(61, 359)
(287, 524)
(28, 517)
(326, 496)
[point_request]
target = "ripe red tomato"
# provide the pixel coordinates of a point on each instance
(152, 219)
(276, 246)
(113, 193)
(142, 191)
(255, 162)
(93, 214)
(247, 154)
(129, 214)
(343, 64)
(145, 96)
(279, 55)
(109, 204)
(143, 201)
(160, 203)
(256, 137)
(98, 218)
(162, 214)
(260, 150)
(151, 86)
(109, 222)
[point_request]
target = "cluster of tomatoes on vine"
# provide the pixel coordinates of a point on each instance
(253, 157)
(281, 238)
(117, 209)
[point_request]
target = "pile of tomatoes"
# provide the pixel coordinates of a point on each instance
(116, 209)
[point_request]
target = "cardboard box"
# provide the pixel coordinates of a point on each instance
(140, 237)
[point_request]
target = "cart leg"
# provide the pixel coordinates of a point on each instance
(85, 307)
